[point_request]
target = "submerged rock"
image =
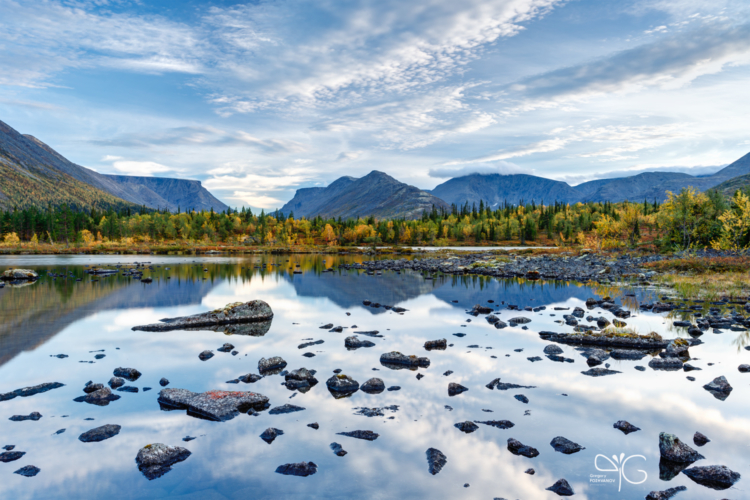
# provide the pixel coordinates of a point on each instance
(666, 494)
(11, 456)
(28, 471)
(34, 415)
(353, 342)
(395, 360)
(314, 425)
(562, 488)
(205, 355)
(366, 435)
(566, 446)
(237, 312)
(518, 448)
(553, 349)
(625, 426)
(468, 427)
(716, 477)
(599, 372)
(270, 434)
(280, 410)
(130, 374)
(100, 433)
(719, 387)
(219, 406)
(436, 460)
(373, 386)
(303, 469)
(700, 440)
(341, 386)
(674, 450)
(271, 365)
(155, 460)
(441, 344)
(338, 450)
(163, 382)
(250, 378)
(116, 382)
(30, 391)
(227, 347)
(455, 389)
(500, 424)
(100, 397)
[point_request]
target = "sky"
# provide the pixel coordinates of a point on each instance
(257, 99)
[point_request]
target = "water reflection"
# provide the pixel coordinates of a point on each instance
(231, 461)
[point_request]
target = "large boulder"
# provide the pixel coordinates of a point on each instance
(155, 460)
(341, 385)
(19, 275)
(236, 312)
(674, 450)
(717, 477)
(219, 406)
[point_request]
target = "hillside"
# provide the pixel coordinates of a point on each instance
(731, 186)
(376, 194)
(36, 174)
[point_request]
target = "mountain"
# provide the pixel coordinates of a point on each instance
(496, 189)
(729, 187)
(32, 173)
(376, 194)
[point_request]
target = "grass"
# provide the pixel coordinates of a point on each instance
(732, 264)
(708, 286)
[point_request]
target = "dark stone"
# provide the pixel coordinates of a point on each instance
(310, 344)
(395, 361)
(227, 347)
(562, 488)
(366, 435)
(270, 434)
(28, 471)
(719, 388)
(468, 427)
(530, 472)
(100, 433)
(30, 391)
(11, 456)
(716, 477)
(128, 388)
(206, 355)
(700, 440)
(303, 469)
(155, 460)
(116, 382)
(314, 425)
(625, 426)
(394, 388)
(666, 494)
(338, 450)
(92, 387)
(436, 460)
(553, 349)
(187, 439)
(35, 415)
(280, 410)
(250, 378)
(674, 450)
(500, 424)
(353, 342)
(455, 389)
(163, 382)
(441, 344)
(341, 385)
(565, 446)
(599, 372)
(373, 386)
(518, 448)
(130, 374)
(449, 372)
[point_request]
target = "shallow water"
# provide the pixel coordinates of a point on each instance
(230, 461)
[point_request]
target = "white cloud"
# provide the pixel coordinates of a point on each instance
(141, 168)
(501, 167)
(111, 158)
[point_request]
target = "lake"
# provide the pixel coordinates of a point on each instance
(83, 319)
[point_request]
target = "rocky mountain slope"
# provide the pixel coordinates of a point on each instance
(32, 173)
(376, 194)
(731, 186)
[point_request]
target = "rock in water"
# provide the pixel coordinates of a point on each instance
(116, 382)
(625, 426)
(283, 409)
(354, 342)
(565, 446)
(270, 434)
(396, 361)
(435, 460)
(553, 349)
(441, 344)
(163, 382)
(28, 471)
(716, 477)
(719, 387)
(271, 365)
(599, 372)
(674, 450)
(205, 355)
(366, 435)
(34, 415)
(100, 433)
(562, 488)
(303, 469)
(700, 440)
(155, 460)
(666, 494)
(455, 389)
(11, 456)
(341, 385)
(500, 424)
(219, 406)
(373, 386)
(237, 312)
(30, 391)
(19, 275)
(468, 427)
(518, 448)
(127, 373)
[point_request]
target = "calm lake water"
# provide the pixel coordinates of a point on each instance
(230, 461)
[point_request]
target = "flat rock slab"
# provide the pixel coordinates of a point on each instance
(500, 424)
(280, 410)
(19, 275)
(218, 406)
(396, 361)
(11, 456)
(130, 374)
(28, 471)
(155, 460)
(599, 372)
(716, 477)
(100, 433)
(366, 435)
(236, 312)
(436, 460)
(649, 344)
(303, 469)
(35, 415)
(30, 391)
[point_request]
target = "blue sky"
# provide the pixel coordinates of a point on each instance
(256, 99)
